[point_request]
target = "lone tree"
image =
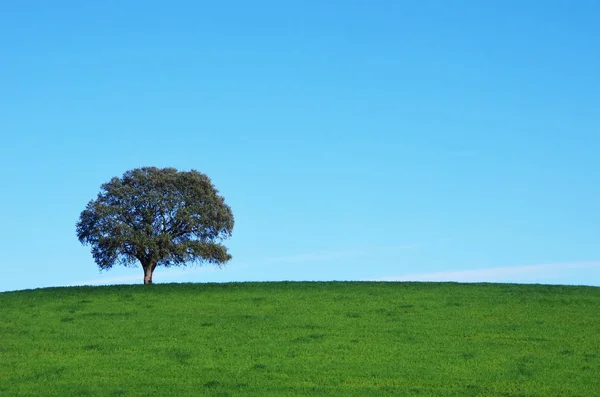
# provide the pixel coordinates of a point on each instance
(159, 217)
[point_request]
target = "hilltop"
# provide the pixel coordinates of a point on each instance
(296, 338)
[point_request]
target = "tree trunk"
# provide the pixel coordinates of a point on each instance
(148, 270)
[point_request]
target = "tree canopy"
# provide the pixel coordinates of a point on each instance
(157, 217)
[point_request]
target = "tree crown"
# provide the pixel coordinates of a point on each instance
(159, 217)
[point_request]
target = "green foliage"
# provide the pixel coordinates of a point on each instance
(301, 339)
(159, 217)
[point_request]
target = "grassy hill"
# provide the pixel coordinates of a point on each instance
(290, 339)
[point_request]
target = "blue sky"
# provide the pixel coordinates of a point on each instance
(354, 140)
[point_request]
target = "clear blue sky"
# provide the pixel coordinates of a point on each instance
(354, 140)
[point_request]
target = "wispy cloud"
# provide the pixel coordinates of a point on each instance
(159, 275)
(528, 273)
(462, 153)
(336, 254)
(127, 279)
(317, 256)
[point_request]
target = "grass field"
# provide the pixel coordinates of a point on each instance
(292, 339)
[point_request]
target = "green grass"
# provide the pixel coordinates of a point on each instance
(291, 339)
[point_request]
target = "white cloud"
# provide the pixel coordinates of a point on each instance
(159, 275)
(331, 255)
(528, 274)
(463, 153)
(317, 256)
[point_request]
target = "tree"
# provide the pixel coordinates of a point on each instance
(159, 217)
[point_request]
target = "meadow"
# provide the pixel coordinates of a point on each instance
(301, 339)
